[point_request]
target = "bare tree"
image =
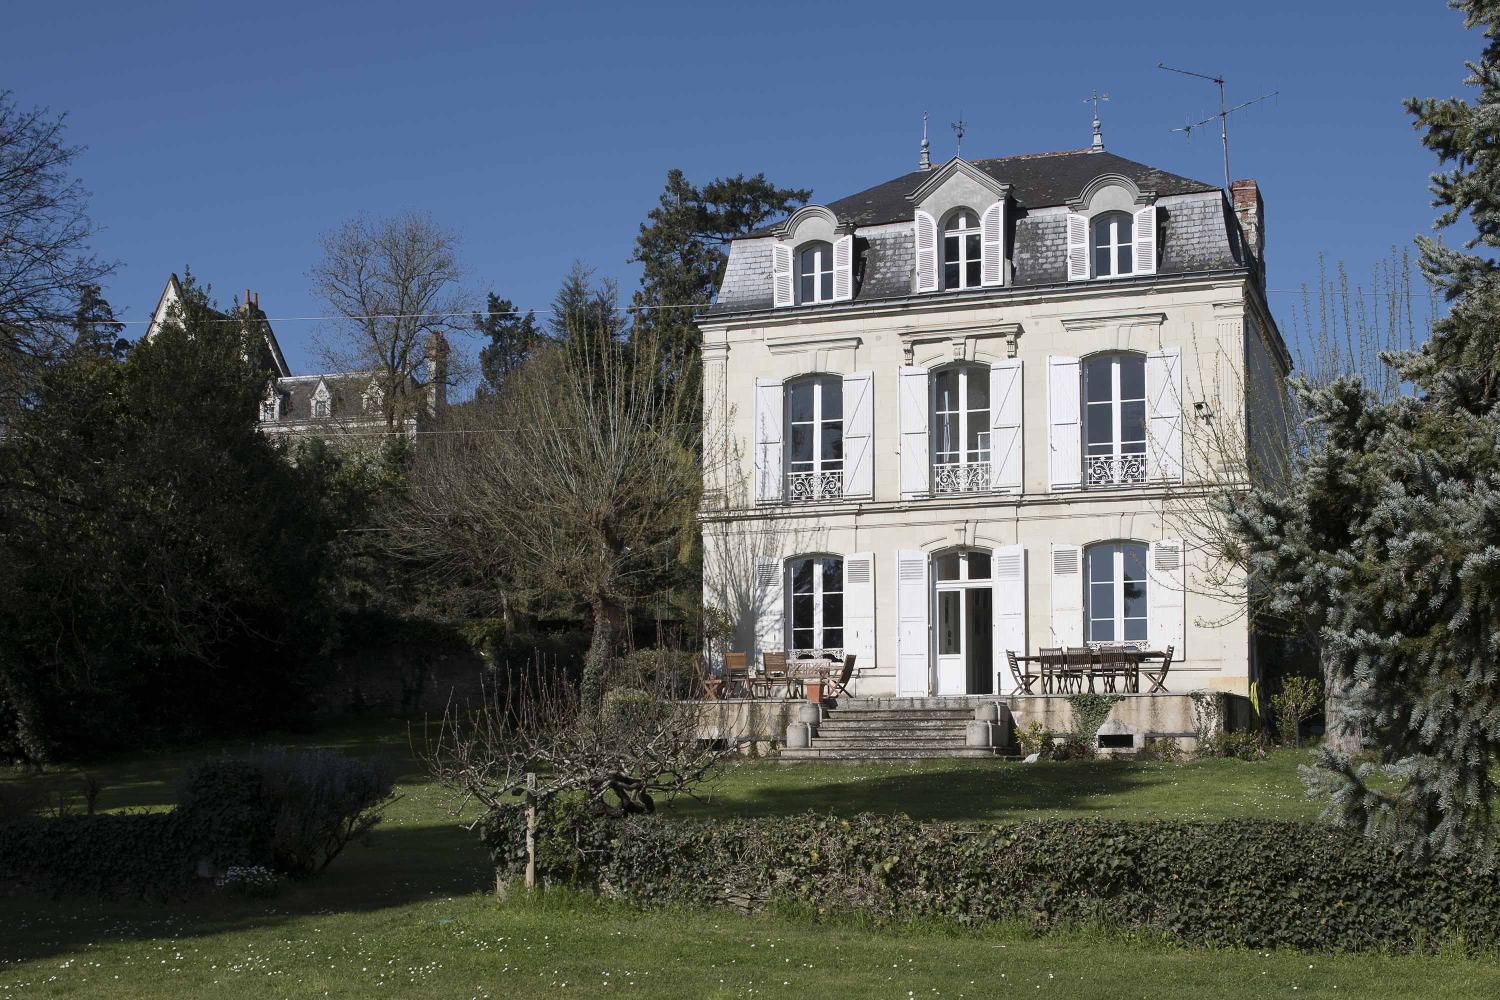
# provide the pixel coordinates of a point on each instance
(394, 282)
(578, 482)
(44, 234)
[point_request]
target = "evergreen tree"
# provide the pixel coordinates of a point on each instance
(510, 340)
(95, 329)
(1388, 541)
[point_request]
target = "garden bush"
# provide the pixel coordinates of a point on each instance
(1239, 883)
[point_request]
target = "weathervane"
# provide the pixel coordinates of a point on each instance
(959, 128)
(1222, 116)
(1094, 99)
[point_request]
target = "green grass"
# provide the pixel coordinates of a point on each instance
(408, 914)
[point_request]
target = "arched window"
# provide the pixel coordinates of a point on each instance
(815, 273)
(1113, 245)
(815, 438)
(816, 593)
(1114, 419)
(961, 429)
(1116, 607)
(961, 250)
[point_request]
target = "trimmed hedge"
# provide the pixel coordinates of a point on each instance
(1242, 883)
(137, 854)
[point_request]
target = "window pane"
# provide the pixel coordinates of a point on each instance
(1134, 559)
(945, 438)
(978, 440)
(1132, 424)
(1135, 630)
(948, 622)
(827, 292)
(979, 565)
(1102, 600)
(1101, 261)
(801, 443)
(1124, 226)
(1096, 379)
(833, 638)
(833, 576)
(833, 397)
(946, 567)
(833, 443)
(971, 279)
(833, 614)
(946, 396)
(802, 638)
(1132, 377)
(1100, 429)
(950, 275)
(1126, 260)
(802, 576)
(979, 388)
(805, 289)
(1101, 630)
(971, 247)
(950, 249)
(1101, 563)
(799, 401)
(802, 611)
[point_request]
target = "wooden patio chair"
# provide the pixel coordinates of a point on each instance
(838, 685)
(1024, 679)
(1114, 666)
(772, 672)
(713, 686)
(1078, 667)
(737, 675)
(1051, 658)
(1158, 678)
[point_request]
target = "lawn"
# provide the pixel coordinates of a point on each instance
(407, 914)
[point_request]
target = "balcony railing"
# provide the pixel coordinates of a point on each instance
(960, 477)
(814, 487)
(1114, 470)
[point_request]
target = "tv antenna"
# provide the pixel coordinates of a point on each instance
(959, 128)
(1222, 116)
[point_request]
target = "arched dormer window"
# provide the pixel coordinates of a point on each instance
(1112, 245)
(962, 250)
(1114, 419)
(815, 273)
(815, 438)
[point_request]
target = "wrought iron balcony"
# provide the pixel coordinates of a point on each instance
(814, 487)
(1114, 470)
(960, 477)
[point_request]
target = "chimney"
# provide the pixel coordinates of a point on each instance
(1251, 212)
(437, 373)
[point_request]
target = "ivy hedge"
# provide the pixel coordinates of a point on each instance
(1247, 883)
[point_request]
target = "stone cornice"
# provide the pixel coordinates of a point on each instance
(1099, 321)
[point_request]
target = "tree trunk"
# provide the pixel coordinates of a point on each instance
(1341, 730)
(607, 616)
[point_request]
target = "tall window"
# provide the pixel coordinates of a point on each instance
(961, 250)
(815, 446)
(1115, 604)
(1114, 246)
(817, 596)
(961, 429)
(1114, 419)
(815, 273)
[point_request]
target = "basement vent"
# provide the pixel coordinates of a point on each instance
(859, 570)
(1116, 741)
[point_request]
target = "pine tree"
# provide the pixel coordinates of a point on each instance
(510, 340)
(1388, 542)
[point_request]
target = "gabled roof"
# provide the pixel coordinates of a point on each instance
(1037, 180)
(172, 294)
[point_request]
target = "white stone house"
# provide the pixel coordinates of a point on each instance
(948, 416)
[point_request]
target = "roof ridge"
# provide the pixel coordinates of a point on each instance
(1033, 156)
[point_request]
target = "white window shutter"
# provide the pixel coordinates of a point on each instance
(1164, 414)
(1145, 240)
(768, 407)
(992, 245)
(1165, 596)
(1005, 425)
(915, 473)
(781, 275)
(925, 231)
(770, 605)
(859, 607)
(1064, 424)
(1010, 611)
(843, 268)
(1067, 595)
(859, 427)
(912, 639)
(1078, 247)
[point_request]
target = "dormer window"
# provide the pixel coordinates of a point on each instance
(1113, 244)
(962, 249)
(268, 409)
(815, 273)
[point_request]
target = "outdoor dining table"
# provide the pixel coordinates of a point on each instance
(1052, 669)
(790, 680)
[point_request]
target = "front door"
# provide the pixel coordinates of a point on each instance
(964, 606)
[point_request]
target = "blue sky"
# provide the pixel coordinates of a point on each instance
(229, 137)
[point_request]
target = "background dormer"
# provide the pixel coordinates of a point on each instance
(959, 229)
(812, 260)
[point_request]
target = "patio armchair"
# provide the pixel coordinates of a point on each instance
(1158, 678)
(838, 685)
(1024, 679)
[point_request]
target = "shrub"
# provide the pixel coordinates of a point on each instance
(1298, 701)
(134, 854)
(1238, 745)
(1090, 710)
(1244, 883)
(670, 672)
(318, 803)
(1073, 748)
(1034, 738)
(1162, 748)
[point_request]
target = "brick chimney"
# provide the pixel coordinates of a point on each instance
(1251, 212)
(437, 372)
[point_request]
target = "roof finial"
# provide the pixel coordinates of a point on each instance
(1098, 144)
(925, 162)
(959, 128)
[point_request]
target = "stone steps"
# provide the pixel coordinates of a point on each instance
(881, 753)
(895, 729)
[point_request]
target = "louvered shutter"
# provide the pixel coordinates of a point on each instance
(768, 404)
(843, 268)
(1164, 414)
(915, 474)
(912, 640)
(1064, 424)
(781, 275)
(859, 608)
(859, 425)
(1067, 595)
(1005, 425)
(1165, 597)
(925, 231)
(992, 245)
(1010, 610)
(770, 605)
(1145, 240)
(1078, 247)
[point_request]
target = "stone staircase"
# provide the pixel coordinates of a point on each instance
(898, 729)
